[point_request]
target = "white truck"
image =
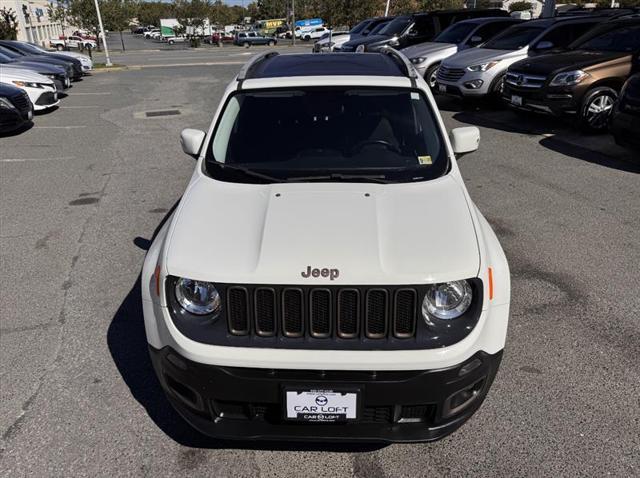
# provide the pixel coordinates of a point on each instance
(72, 42)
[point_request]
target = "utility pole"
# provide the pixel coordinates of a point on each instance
(548, 9)
(104, 37)
(386, 9)
(293, 21)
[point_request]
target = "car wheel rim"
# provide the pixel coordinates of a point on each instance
(432, 78)
(598, 111)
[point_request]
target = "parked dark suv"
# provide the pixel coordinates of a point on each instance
(407, 30)
(583, 81)
(625, 123)
(15, 108)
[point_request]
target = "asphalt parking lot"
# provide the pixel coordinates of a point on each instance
(84, 189)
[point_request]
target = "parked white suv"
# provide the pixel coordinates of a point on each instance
(40, 89)
(326, 275)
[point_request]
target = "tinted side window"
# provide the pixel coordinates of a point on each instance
(491, 29)
(563, 35)
(424, 27)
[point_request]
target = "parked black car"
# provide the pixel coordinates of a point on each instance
(20, 58)
(407, 30)
(34, 53)
(15, 108)
(57, 73)
(625, 123)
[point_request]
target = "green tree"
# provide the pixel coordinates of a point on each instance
(116, 15)
(8, 24)
(431, 5)
(150, 13)
(520, 7)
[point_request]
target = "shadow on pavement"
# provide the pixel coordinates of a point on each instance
(128, 347)
(588, 155)
(16, 132)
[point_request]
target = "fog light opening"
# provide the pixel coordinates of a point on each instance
(183, 392)
(473, 85)
(463, 398)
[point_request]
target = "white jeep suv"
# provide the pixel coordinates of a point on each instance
(326, 275)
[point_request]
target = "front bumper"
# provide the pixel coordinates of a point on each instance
(395, 406)
(460, 86)
(47, 99)
(557, 102)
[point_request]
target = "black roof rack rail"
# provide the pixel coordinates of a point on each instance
(246, 68)
(410, 71)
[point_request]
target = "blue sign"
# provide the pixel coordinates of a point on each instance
(310, 22)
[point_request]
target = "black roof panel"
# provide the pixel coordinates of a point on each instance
(327, 64)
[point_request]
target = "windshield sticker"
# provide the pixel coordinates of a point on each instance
(415, 96)
(425, 160)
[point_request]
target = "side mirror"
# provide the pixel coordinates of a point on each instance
(465, 140)
(475, 40)
(544, 45)
(191, 141)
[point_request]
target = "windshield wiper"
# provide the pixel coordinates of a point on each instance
(249, 172)
(382, 179)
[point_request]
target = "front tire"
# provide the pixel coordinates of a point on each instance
(271, 43)
(596, 109)
(430, 76)
(59, 47)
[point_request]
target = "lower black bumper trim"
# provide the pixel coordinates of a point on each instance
(396, 406)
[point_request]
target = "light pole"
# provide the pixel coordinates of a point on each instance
(293, 21)
(386, 9)
(104, 37)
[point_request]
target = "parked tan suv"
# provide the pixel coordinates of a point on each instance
(583, 81)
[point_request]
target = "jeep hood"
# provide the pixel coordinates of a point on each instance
(429, 48)
(374, 234)
(475, 56)
(568, 60)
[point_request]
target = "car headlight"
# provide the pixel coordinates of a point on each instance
(448, 300)
(26, 84)
(360, 49)
(417, 60)
(198, 297)
(569, 78)
(483, 66)
(5, 103)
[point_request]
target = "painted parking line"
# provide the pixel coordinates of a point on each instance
(80, 107)
(24, 160)
(77, 93)
(59, 127)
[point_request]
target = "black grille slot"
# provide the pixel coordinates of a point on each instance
(46, 99)
(348, 313)
(21, 101)
(320, 313)
(238, 310)
(292, 313)
(404, 314)
(377, 414)
(376, 315)
(265, 307)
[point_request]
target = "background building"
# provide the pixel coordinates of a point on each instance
(34, 24)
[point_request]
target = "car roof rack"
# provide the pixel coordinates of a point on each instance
(253, 61)
(410, 71)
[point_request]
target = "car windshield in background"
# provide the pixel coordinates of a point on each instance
(514, 38)
(9, 53)
(455, 33)
(377, 29)
(625, 39)
(327, 134)
(359, 27)
(396, 26)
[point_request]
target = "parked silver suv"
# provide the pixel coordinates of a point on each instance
(479, 72)
(426, 57)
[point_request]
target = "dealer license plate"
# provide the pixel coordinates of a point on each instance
(442, 88)
(321, 405)
(516, 100)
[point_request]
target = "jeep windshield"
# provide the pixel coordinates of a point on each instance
(350, 134)
(514, 38)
